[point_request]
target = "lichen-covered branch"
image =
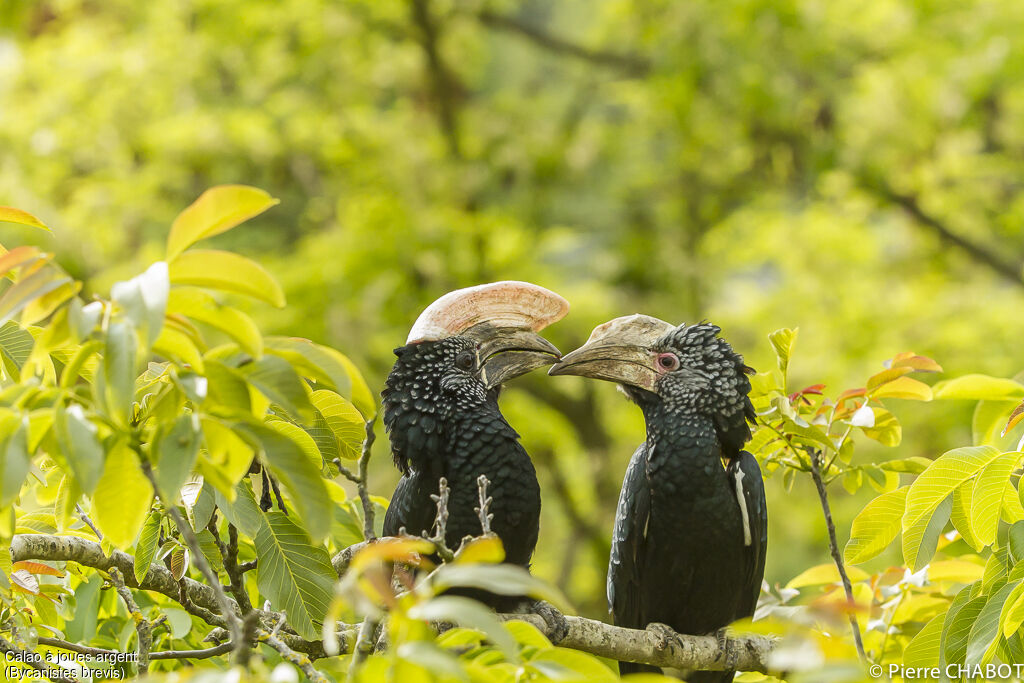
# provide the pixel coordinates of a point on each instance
(16, 654)
(483, 512)
(744, 653)
(206, 653)
(359, 479)
(143, 627)
(300, 660)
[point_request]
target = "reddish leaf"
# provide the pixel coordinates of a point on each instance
(1016, 416)
(17, 257)
(851, 393)
(909, 359)
(37, 568)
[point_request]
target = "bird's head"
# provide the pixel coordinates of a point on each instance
(459, 352)
(684, 370)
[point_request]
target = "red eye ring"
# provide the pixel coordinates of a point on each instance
(667, 362)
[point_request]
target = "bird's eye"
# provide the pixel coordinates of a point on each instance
(667, 362)
(465, 360)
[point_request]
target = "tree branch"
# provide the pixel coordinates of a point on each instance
(744, 653)
(209, 652)
(143, 627)
(632, 64)
(300, 660)
(185, 529)
(1009, 270)
(359, 479)
(833, 545)
(22, 657)
(443, 83)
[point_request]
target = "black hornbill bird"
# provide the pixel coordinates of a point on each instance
(441, 413)
(691, 528)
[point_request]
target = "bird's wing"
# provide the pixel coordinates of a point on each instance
(628, 541)
(747, 474)
(410, 507)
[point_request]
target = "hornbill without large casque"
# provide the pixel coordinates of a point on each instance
(441, 413)
(691, 528)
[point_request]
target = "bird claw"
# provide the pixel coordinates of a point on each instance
(666, 634)
(731, 656)
(557, 625)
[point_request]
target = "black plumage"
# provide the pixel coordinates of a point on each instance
(691, 527)
(443, 421)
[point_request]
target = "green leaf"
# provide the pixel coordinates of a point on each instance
(215, 211)
(987, 497)
(922, 538)
(15, 466)
(122, 498)
(243, 511)
(984, 635)
(8, 214)
(561, 663)
(201, 306)
(179, 620)
(886, 429)
(912, 465)
(227, 394)
(783, 341)
(227, 454)
(144, 300)
(208, 544)
(979, 388)
(945, 474)
(925, 650)
(876, 526)
(119, 370)
(960, 514)
(78, 441)
(228, 272)
(176, 452)
(957, 629)
(438, 661)
(470, 614)
(174, 344)
(145, 548)
(1012, 615)
(502, 579)
(39, 283)
(278, 381)
(293, 574)
(988, 421)
(301, 478)
(344, 421)
(16, 343)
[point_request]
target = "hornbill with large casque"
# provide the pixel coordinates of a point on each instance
(441, 413)
(691, 528)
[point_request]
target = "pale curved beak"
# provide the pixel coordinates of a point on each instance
(621, 363)
(508, 352)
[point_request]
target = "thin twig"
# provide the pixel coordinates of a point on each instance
(438, 538)
(16, 654)
(359, 479)
(143, 627)
(364, 644)
(633, 64)
(300, 660)
(207, 653)
(364, 492)
(485, 504)
(833, 545)
(234, 623)
(88, 522)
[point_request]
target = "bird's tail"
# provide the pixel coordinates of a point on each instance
(634, 668)
(711, 677)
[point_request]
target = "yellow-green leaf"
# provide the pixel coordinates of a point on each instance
(199, 305)
(823, 574)
(945, 474)
(904, 387)
(227, 272)
(987, 498)
(215, 211)
(783, 341)
(979, 388)
(122, 498)
(926, 647)
(344, 421)
(8, 214)
(876, 526)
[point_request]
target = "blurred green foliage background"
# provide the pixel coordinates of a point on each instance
(852, 169)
